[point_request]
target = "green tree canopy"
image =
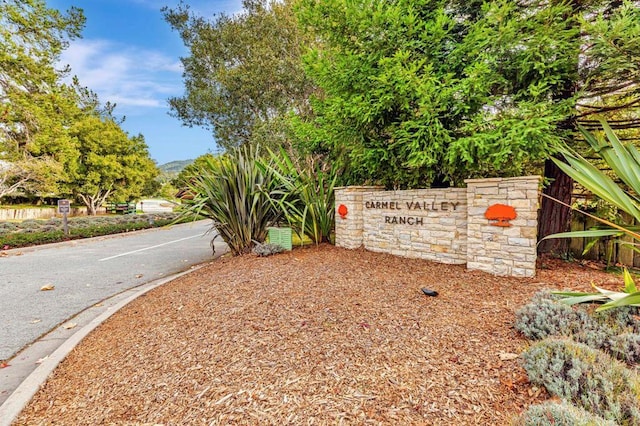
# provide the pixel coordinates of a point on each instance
(243, 72)
(109, 165)
(422, 93)
(35, 109)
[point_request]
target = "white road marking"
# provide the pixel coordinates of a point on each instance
(149, 248)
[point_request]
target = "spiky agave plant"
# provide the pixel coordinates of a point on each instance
(232, 191)
(624, 161)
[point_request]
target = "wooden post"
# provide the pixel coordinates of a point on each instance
(625, 254)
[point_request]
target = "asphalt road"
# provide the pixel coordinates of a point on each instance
(84, 272)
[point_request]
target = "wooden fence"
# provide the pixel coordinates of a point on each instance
(604, 250)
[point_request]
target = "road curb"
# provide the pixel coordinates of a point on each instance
(22, 395)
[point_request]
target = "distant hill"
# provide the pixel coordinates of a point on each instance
(174, 166)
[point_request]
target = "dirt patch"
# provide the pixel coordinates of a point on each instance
(319, 335)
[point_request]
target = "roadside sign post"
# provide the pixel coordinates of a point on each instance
(64, 207)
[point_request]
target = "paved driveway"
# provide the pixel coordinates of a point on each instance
(85, 272)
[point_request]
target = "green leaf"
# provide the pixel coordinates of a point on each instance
(572, 293)
(632, 299)
(629, 284)
(595, 233)
(584, 299)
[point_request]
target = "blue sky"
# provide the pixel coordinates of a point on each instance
(130, 56)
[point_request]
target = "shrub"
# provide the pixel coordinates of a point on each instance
(21, 239)
(546, 316)
(267, 249)
(618, 320)
(626, 347)
(6, 227)
(30, 224)
(233, 191)
(42, 232)
(587, 377)
(559, 414)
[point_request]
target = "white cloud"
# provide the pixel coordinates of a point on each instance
(124, 74)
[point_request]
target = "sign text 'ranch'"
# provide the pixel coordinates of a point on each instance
(433, 205)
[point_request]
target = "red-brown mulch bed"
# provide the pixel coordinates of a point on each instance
(319, 335)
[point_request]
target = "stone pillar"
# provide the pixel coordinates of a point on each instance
(349, 229)
(510, 249)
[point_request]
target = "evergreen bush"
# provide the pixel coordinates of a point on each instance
(616, 331)
(267, 249)
(559, 414)
(587, 377)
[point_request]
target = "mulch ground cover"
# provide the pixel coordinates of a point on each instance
(319, 335)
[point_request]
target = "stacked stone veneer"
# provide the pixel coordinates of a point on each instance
(445, 225)
(428, 223)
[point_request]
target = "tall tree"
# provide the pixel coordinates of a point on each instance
(110, 164)
(608, 85)
(432, 92)
(425, 93)
(35, 109)
(243, 72)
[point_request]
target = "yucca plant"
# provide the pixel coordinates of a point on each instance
(232, 191)
(305, 196)
(624, 161)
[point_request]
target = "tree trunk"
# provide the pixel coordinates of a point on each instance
(554, 217)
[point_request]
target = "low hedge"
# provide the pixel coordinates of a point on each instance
(35, 232)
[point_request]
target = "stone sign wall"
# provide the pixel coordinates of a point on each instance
(491, 225)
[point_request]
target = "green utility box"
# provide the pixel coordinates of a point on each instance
(280, 236)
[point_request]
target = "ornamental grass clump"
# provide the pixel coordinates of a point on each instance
(620, 192)
(559, 414)
(586, 377)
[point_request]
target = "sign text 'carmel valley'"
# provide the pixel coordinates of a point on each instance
(414, 206)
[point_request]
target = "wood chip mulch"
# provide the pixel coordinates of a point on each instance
(319, 335)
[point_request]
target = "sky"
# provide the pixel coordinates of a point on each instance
(130, 56)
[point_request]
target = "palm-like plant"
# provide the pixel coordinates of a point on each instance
(232, 191)
(624, 161)
(305, 196)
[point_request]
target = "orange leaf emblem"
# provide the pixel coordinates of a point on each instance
(342, 211)
(500, 214)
